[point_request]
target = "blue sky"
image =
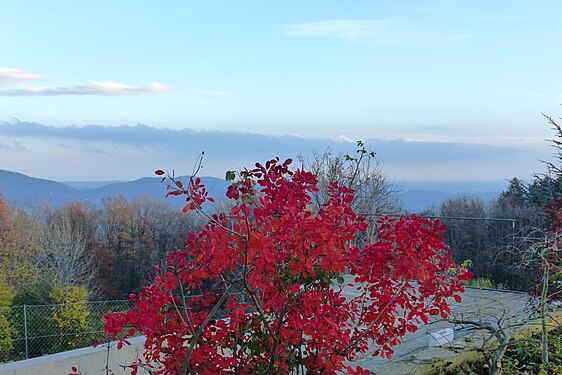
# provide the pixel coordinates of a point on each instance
(453, 72)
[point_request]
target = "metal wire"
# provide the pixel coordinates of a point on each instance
(29, 331)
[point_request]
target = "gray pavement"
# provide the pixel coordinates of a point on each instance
(496, 307)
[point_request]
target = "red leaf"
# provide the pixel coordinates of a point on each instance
(467, 275)
(159, 172)
(290, 253)
(457, 298)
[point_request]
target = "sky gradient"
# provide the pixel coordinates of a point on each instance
(473, 76)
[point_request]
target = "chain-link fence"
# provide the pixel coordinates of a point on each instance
(29, 331)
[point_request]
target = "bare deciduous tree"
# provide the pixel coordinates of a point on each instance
(66, 258)
(375, 195)
(137, 235)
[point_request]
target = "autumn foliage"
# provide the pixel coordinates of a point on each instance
(275, 299)
(70, 313)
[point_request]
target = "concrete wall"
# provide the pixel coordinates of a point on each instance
(90, 361)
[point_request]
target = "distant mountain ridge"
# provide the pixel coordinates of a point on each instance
(83, 185)
(25, 191)
(420, 200)
(21, 190)
(417, 196)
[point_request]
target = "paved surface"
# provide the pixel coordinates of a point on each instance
(487, 305)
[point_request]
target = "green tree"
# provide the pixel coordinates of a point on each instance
(70, 315)
(7, 330)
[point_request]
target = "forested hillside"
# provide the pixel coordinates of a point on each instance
(111, 251)
(492, 235)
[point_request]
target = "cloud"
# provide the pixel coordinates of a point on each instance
(427, 148)
(503, 17)
(209, 92)
(10, 75)
(146, 136)
(107, 88)
(13, 146)
(82, 148)
(536, 94)
(127, 152)
(343, 29)
(386, 31)
(223, 142)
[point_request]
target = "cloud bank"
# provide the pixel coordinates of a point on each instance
(147, 136)
(127, 152)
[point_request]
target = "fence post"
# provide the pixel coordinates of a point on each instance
(25, 331)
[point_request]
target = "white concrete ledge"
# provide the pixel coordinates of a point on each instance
(90, 361)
